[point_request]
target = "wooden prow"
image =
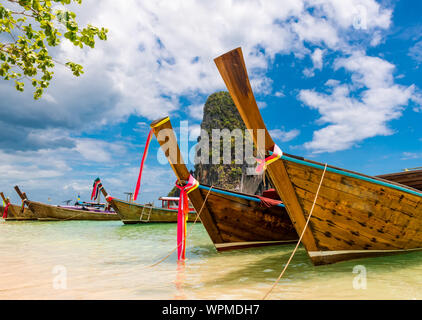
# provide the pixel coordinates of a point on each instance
(232, 68)
(104, 192)
(21, 195)
(6, 201)
(163, 130)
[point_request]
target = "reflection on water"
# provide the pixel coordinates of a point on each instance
(107, 260)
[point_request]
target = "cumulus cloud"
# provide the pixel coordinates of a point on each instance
(416, 52)
(196, 111)
(159, 58)
(284, 136)
(360, 110)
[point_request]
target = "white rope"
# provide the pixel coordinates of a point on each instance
(300, 238)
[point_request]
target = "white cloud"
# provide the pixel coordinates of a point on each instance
(416, 52)
(157, 53)
(261, 104)
(317, 57)
(279, 94)
(351, 117)
(284, 136)
(196, 111)
(411, 155)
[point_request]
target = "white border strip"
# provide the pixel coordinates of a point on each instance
(332, 253)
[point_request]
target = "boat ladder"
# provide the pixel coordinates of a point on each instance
(148, 215)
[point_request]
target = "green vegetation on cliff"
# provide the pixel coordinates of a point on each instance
(221, 113)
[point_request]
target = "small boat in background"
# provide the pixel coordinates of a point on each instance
(409, 177)
(233, 220)
(15, 212)
(354, 215)
(46, 212)
(133, 213)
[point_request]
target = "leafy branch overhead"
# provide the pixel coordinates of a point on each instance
(28, 29)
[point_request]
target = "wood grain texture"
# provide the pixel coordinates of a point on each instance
(163, 130)
(356, 216)
(248, 221)
(130, 213)
(411, 178)
(231, 221)
(48, 212)
(14, 213)
(352, 218)
(233, 71)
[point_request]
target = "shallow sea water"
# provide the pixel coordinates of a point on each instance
(109, 260)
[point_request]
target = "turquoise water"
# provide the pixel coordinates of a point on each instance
(108, 260)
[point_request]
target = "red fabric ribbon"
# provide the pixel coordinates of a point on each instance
(182, 215)
(138, 183)
(6, 209)
(268, 202)
(94, 188)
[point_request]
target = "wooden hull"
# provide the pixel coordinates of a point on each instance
(243, 222)
(14, 213)
(45, 212)
(411, 178)
(355, 215)
(131, 213)
(233, 220)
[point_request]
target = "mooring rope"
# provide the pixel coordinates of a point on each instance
(300, 238)
(190, 231)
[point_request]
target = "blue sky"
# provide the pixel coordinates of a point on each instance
(336, 81)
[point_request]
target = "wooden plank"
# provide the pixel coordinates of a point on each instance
(163, 130)
(353, 216)
(233, 71)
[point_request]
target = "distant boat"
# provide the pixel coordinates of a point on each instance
(355, 215)
(411, 178)
(133, 213)
(15, 212)
(233, 220)
(46, 212)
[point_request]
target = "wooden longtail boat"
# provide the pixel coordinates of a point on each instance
(233, 220)
(17, 213)
(411, 178)
(132, 213)
(354, 216)
(46, 212)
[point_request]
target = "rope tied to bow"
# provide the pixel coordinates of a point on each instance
(182, 214)
(301, 236)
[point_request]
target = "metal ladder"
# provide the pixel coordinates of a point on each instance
(149, 214)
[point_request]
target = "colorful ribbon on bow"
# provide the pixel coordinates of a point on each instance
(263, 163)
(182, 215)
(6, 209)
(138, 183)
(94, 193)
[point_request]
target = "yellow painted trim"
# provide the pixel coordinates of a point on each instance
(161, 122)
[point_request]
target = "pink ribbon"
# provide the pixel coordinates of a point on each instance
(263, 163)
(6, 209)
(182, 215)
(138, 183)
